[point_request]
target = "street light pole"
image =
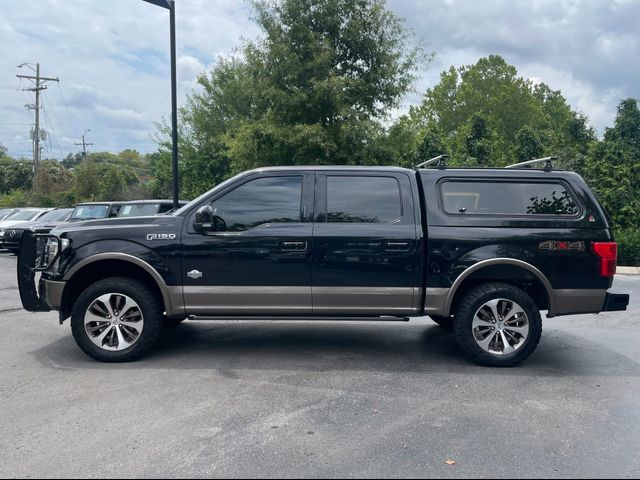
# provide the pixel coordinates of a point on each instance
(171, 6)
(174, 104)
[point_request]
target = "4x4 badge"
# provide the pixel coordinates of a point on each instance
(555, 245)
(195, 274)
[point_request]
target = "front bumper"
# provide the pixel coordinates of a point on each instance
(615, 302)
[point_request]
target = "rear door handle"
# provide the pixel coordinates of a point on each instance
(397, 246)
(294, 246)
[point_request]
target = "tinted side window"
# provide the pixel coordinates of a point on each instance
(260, 201)
(363, 199)
(507, 198)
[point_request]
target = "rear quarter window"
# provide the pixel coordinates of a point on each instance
(513, 198)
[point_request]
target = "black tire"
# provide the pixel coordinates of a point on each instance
(171, 322)
(444, 322)
(150, 306)
(473, 301)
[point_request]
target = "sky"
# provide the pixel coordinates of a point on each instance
(112, 58)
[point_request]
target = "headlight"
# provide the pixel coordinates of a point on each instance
(50, 250)
(52, 247)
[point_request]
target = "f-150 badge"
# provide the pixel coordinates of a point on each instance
(555, 245)
(161, 236)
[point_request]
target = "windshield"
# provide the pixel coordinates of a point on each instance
(139, 210)
(56, 215)
(90, 212)
(22, 215)
(5, 212)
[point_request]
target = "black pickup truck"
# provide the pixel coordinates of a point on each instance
(480, 251)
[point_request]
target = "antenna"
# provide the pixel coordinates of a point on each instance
(439, 161)
(548, 166)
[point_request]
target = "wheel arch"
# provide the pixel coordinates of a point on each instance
(105, 265)
(508, 270)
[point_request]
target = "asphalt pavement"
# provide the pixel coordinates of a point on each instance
(295, 399)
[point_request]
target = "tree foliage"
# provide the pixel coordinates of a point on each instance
(613, 167)
(486, 114)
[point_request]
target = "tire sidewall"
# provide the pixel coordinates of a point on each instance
(472, 302)
(149, 306)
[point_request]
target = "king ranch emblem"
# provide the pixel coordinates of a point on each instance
(556, 245)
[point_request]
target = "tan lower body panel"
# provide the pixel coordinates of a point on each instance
(570, 301)
(254, 300)
(365, 300)
(248, 300)
(436, 301)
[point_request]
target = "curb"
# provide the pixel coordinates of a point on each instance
(628, 270)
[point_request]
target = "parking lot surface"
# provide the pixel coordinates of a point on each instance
(294, 399)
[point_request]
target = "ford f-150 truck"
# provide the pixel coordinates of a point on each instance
(480, 251)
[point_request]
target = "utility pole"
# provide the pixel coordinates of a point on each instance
(39, 84)
(84, 146)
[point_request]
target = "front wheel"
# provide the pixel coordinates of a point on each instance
(497, 325)
(117, 319)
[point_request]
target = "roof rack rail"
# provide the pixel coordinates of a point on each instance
(440, 161)
(548, 166)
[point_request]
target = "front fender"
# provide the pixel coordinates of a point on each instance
(163, 261)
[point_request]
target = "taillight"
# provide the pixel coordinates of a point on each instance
(607, 252)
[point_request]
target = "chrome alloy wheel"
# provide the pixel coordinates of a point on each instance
(114, 322)
(500, 326)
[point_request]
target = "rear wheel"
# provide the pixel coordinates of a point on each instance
(117, 320)
(497, 325)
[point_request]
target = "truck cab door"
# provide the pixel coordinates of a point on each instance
(256, 259)
(367, 253)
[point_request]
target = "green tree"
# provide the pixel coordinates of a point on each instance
(478, 141)
(314, 89)
(528, 145)
(430, 146)
(103, 181)
(613, 167)
(15, 175)
(486, 114)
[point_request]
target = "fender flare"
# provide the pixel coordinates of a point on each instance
(503, 261)
(171, 306)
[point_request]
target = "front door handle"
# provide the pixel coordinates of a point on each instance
(294, 246)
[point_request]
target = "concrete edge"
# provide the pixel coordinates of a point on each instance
(628, 270)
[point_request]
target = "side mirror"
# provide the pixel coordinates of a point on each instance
(203, 222)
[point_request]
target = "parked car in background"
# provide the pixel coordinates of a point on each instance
(10, 236)
(95, 211)
(5, 212)
(23, 215)
(19, 216)
(146, 208)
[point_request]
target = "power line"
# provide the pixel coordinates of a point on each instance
(49, 127)
(66, 106)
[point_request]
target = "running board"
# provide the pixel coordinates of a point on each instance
(300, 318)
